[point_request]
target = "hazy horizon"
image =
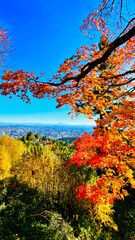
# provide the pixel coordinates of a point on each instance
(45, 123)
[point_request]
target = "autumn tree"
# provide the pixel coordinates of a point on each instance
(42, 169)
(97, 80)
(11, 151)
(5, 163)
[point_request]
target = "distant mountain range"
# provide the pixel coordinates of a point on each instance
(45, 124)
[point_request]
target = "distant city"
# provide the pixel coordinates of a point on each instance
(51, 131)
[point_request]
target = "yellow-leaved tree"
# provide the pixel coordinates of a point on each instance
(11, 151)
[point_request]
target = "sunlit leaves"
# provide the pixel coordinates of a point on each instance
(5, 163)
(98, 80)
(11, 151)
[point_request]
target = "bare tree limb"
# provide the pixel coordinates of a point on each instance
(133, 19)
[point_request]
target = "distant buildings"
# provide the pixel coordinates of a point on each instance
(53, 132)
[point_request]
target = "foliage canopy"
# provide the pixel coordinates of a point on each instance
(98, 80)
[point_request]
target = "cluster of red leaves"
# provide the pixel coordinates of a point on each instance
(23, 83)
(4, 45)
(66, 92)
(107, 90)
(96, 22)
(111, 153)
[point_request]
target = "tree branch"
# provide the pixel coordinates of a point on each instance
(121, 84)
(126, 27)
(120, 75)
(61, 83)
(91, 65)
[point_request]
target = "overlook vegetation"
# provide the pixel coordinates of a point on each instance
(38, 200)
(87, 190)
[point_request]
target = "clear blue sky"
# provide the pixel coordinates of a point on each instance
(43, 33)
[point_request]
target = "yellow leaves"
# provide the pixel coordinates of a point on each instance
(110, 172)
(129, 174)
(16, 237)
(5, 163)
(82, 57)
(40, 170)
(104, 213)
(15, 148)
(11, 151)
(125, 193)
(75, 217)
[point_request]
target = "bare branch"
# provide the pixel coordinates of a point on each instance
(46, 212)
(112, 6)
(133, 19)
(40, 215)
(121, 9)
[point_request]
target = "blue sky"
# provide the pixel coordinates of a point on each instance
(43, 33)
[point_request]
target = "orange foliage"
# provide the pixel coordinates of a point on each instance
(95, 82)
(31, 137)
